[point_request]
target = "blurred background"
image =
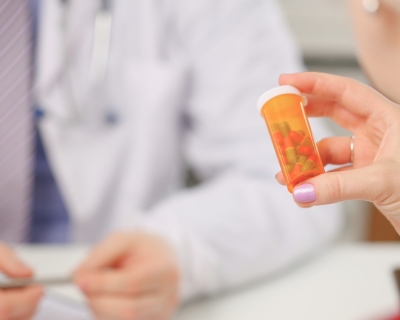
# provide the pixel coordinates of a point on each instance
(323, 30)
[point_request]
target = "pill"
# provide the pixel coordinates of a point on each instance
(285, 128)
(299, 164)
(289, 168)
(306, 142)
(277, 134)
(282, 149)
(301, 132)
(290, 151)
(296, 137)
(313, 157)
(310, 163)
(304, 150)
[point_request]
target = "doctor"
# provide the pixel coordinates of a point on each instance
(132, 94)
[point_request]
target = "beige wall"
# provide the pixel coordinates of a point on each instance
(322, 27)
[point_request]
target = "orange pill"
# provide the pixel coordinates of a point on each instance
(276, 132)
(285, 128)
(282, 149)
(289, 167)
(314, 157)
(296, 137)
(306, 142)
(310, 163)
(297, 168)
(304, 150)
(290, 151)
(288, 143)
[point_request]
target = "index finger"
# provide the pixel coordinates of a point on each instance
(19, 303)
(111, 281)
(107, 252)
(347, 92)
(11, 265)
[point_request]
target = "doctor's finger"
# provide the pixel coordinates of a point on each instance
(108, 252)
(11, 265)
(130, 281)
(347, 92)
(19, 303)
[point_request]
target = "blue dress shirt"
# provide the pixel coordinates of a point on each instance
(49, 219)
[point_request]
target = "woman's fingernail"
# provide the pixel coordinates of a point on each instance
(304, 193)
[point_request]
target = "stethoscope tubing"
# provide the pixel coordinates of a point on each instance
(98, 66)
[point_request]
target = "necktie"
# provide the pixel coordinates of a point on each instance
(16, 131)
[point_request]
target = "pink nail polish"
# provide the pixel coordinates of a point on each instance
(304, 193)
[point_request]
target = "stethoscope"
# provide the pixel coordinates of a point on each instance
(97, 70)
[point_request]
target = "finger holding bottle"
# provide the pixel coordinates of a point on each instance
(371, 117)
(334, 150)
(338, 92)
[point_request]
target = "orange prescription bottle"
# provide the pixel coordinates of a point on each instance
(283, 111)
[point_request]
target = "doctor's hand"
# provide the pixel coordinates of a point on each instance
(375, 122)
(131, 276)
(18, 304)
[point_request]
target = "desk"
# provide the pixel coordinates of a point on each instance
(348, 282)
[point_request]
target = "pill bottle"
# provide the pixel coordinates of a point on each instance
(283, 111)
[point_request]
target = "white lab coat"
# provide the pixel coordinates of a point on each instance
(184, 77)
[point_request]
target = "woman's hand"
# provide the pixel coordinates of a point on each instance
(18, 304)
(375, 122)
(131, 276)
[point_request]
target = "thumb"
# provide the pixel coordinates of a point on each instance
(108, 252)
(368, 183)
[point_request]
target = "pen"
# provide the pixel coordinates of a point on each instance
(20, 283)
